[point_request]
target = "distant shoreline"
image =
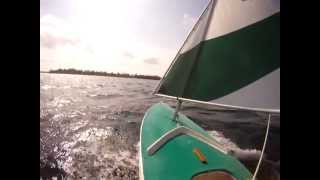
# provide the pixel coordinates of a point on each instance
(97, 73)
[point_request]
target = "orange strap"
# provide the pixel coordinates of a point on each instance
(199, 155)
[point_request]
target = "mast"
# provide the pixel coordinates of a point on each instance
(176, 112)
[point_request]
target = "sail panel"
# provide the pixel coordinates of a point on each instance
(223, 65)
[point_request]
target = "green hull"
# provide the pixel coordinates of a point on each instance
(175, 159)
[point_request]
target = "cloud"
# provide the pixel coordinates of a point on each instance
(55, 32)
(151, 61)
(128, 54)
(49, 40)
(52, 21)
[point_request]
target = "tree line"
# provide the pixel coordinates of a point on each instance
(99, 73)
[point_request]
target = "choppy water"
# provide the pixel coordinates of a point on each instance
(89, 126)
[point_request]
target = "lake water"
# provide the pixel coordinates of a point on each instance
(89, 126)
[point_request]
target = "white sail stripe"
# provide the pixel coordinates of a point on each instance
(231, 15)
(263, 93)
(199, 32)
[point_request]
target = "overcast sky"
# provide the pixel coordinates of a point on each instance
(133, 36)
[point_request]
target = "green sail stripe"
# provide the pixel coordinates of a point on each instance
(222, 65)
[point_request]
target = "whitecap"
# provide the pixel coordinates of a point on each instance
(77, 125)
(59, 102)
(90, 135)
(46, 87)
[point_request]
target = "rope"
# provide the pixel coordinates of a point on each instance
(264, 145)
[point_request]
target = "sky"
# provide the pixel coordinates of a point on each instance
(126, 36)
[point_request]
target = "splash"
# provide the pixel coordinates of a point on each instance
(89, 155)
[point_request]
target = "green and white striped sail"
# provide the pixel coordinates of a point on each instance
(231, 57)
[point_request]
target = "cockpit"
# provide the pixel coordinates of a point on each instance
(214, 175)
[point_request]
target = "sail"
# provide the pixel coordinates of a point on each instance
(231, 57)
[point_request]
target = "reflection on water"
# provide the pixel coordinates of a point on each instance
(89, 126)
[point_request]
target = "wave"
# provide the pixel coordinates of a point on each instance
(97, 138)
(90, 154)
(46, 87)
(103, 96)
(60, 102)
(249, 157)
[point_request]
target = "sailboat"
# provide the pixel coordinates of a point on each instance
(230, 59)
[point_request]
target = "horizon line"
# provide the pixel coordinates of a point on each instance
(84, 70)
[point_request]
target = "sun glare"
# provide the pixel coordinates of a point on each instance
(104, 31)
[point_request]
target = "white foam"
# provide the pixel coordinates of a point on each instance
(82, 145)
(77, 125)
(77, 113)
(247, 154)
(92, 134)
(66, 87)
(94, 153)
(59, 102)
(225, 142)
(58, 117)
(46, 87)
